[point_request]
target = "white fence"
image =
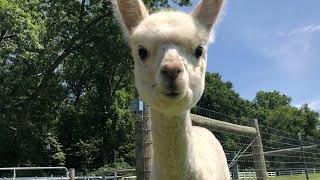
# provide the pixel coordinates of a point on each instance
(14, 175)
(105, 177)
(294, 172)
(15, 169)
(253, 175)
(297, 172)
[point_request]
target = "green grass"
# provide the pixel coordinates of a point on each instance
(312, 176)
(298, 177)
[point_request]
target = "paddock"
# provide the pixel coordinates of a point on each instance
(250, 147)
(253, 151)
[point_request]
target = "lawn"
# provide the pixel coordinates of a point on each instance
(312, 176)
(298, 177)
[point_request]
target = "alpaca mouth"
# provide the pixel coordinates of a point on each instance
(172, 94)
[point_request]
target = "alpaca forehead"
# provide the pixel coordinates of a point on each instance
(171, 27)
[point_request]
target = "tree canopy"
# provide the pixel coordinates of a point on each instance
(65, 84)
(272, 109)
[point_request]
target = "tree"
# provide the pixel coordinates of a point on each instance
(312, 119)
(65, 83)
(219, 96)
(271, 100)
(273, 109)
(287, 118)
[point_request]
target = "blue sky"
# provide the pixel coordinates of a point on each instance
(269, 45)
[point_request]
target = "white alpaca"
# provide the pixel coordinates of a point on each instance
(170, 53)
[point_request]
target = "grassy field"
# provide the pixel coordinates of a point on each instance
(298, 177)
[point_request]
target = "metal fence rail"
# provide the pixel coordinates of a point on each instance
(15, 169)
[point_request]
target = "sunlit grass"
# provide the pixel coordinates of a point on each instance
(312, 176)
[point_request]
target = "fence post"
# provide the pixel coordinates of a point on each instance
(235, 169)
(303, 156)
(115, 175)
(258, 154)
(14, 174)
(143, 141)
(147, 142)
(72, 174)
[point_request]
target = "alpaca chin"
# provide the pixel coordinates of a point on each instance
(168, 104)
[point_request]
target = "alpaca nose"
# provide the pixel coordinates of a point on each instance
(172, 70)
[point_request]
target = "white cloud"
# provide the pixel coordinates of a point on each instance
(295, 52)
(305, 29)
(313, 104)
(291, 51)
(312, 28)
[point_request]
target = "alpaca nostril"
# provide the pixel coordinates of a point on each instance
(171, 74)
(171, 71)
(164, 71)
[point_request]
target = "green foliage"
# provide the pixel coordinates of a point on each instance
(287, 118)
(220, 97)
(271, 100)
(272, 109)
(155, 5)
(54, 151)
(65, 84)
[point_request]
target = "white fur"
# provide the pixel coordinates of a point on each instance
(181, 151)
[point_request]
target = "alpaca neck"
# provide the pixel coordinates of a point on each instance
(172, 143)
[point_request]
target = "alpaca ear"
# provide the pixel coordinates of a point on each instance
(207, 12)
(131, 13)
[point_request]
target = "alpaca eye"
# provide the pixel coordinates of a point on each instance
(143, 53)
(198, 52)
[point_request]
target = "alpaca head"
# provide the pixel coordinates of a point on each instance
(170, 52)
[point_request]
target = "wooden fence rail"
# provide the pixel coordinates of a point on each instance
(224, 126)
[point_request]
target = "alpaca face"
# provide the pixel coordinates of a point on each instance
(169, 51)
(169, 65)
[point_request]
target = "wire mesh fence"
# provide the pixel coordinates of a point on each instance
(290, 154)
(253, 152)
(285, 154)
